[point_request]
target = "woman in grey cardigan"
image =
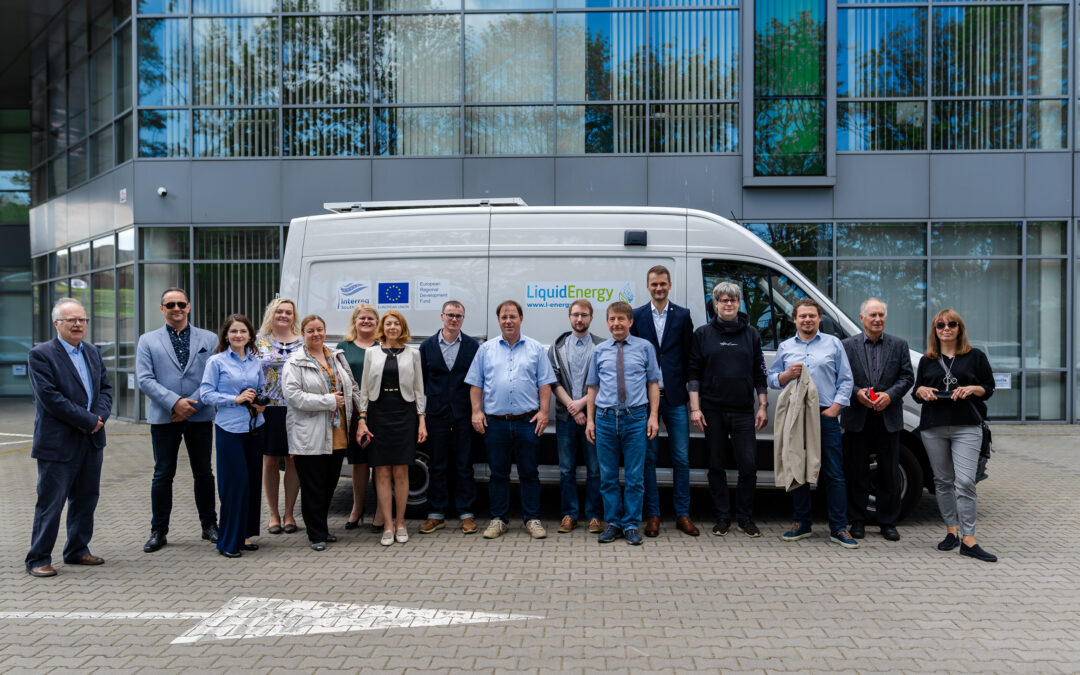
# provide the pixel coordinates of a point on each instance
(322, 396)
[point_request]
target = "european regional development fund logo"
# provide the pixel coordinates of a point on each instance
(561, 294)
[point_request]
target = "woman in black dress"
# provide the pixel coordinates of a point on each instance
(392, 418)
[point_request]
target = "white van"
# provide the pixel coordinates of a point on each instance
(413, 256)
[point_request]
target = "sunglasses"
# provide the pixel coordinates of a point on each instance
(170, 305)
(950, 324)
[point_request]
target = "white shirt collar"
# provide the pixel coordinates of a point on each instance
(657, 312)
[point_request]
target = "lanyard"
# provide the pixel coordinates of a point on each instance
(949, 380)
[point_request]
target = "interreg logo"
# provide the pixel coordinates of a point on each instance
(559, 294)
(352, 293)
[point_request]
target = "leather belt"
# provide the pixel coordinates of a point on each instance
(514, 418)
(392, 389)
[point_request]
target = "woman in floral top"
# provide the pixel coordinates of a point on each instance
(279, 337)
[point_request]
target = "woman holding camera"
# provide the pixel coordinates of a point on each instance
(952, 383)
(230, 382)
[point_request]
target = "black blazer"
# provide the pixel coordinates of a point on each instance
(62, 422)
(674, 354)
(896, 379)
(447, 393)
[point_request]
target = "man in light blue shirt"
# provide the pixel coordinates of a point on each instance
(511, 380)
(824, 356)
(623, 413)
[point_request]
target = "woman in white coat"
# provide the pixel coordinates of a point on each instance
(321, 395)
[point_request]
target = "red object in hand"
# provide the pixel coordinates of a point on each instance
(872, 395)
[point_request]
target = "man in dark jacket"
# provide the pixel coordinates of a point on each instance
(729, 402)
(881, 366)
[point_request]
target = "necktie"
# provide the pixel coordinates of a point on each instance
(620, 374)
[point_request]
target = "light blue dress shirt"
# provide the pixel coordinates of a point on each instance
(579, 351)
(449, 350)
(639, 368)
(827, 361)
(510, 376)
(78, 359)
(225, 376)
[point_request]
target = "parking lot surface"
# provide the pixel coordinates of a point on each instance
(446, 602)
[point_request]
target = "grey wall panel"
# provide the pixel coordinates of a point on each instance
(532, 179)
(78, 213)
(882, 186)
(39, 232)
(307, 184)
(601, 181)
(711, 184)
(812, 203)
(102, 199)
(124, 179)
(175, 206)
(1048, 184)
(977, 185)
(427, 178)
(235, 191)
(56, 222)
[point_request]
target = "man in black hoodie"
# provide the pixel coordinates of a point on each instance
(728, 401)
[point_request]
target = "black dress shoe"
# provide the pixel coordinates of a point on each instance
(352, 524)
(330, 538)
(155, 542)
(290, 528)
(977, 552)
(231, 554)
(858, 530)
(890, 533)
(950, 542)
(210, 534)
(249, 547)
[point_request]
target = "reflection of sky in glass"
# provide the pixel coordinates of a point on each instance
(863, 36)
(507, 4)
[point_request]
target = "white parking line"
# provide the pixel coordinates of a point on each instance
(18, 435)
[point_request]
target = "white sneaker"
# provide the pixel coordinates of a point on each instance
(496, 528)
(401, 535)
(535, 528)
(387, 537)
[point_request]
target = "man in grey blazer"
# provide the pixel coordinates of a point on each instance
(169, 364)
(881, 367)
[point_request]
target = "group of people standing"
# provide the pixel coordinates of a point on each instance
(280, 399)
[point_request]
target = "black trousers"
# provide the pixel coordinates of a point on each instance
(873, 439)
(318, 479)
(731, 432)
(198, 437)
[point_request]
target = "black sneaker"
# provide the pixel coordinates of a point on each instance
(858, 530)
(977, 552)
(721, 528)
(748, 528)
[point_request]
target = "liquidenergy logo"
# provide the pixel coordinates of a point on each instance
(561, 294)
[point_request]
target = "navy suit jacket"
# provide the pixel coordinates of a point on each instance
(447, 393)
(674, 353)
(62, 421)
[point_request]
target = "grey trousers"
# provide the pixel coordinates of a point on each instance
(954, 457)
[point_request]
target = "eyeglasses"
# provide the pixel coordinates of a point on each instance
(454, 317)
(580, 316)
(727, 301)
(951, 324)
(171, 305)
(75, 321)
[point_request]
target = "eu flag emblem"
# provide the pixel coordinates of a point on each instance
(394, 293)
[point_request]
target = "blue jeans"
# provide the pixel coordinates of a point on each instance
(622, 433)
(507, 440)
(677, 423)
(571, 437)
(450, 445)
(832, 470)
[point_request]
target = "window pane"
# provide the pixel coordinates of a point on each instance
(881, 52)
(695, 127)
(163, 62)
(77, 38)
(104, 253)
(101, 25)
(789, 137)
(508, 57)
(80, 289)
(602, 56)
(789, 48)
(125, 246)
(1048, 50)
(900, 283)
(57, 117)
(1046, 343)
(163, 6)
(224, 288)
(418, 59)
(101, 151)
(509, 130)
(1047, 122)
(881, 125)
(975, 239)
(696, 55)
(125, 305)
(122, 47)
(57, 178)
(236, 133)
(819, 272)
(592, 129)
(57, 52)
(77, 165)
(163, 243)
(237, 243)
(419, 5)
(101, 87)
(983, 292)
(325, 132)
(77, 103)
(325, 59)
(417, 131)
(80, 258)
(155, 279)
(164, 133)
(1046, 238)
(1045, 396)
(323, 5)
(15, 207)
(124, 134)
(103, 318)
(978, 51)
(976, 125)
(622, 4)
(880, 239)
(760, 305)
(235, 61)
(58, 263)
(234, 6)
(795, 240)
(507, 4)
(1005, 404)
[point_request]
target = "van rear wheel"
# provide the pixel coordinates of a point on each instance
(911, 482)
(419, 480)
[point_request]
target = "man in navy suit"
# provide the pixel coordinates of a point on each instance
(73, 400)
(669, 328)
(169, 364)
(445, 358)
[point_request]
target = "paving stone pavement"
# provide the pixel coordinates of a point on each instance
(675, 604)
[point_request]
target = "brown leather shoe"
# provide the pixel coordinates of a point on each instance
(87, 559)
(595, 526)
(432, 524)
(42, 571)
(468, 526)
(652, 526)
(567, 524)
(686, 525)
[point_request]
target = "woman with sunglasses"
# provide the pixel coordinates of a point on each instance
(952, 383)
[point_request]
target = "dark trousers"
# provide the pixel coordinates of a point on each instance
(75, 482)
(731, 432)
(318, 476)
(506, 441)
(450, 442)
(873, 439)
(198, 438)
(239, 479)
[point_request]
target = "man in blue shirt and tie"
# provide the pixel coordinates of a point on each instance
(511, 380)
(623, 406)
(824, 356)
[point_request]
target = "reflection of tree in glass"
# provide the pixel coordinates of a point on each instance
(162, 62)
(236, 61)
(325, 59)
(795, 240)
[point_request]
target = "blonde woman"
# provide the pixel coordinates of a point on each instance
(392, 418)
(278, 339)
(358, 338)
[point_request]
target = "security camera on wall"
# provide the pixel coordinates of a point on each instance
(161, 191)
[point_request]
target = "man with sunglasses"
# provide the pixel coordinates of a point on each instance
(169, 364)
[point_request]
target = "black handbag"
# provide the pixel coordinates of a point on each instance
(985, 448)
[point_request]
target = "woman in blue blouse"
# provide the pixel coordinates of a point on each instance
(230, 381)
